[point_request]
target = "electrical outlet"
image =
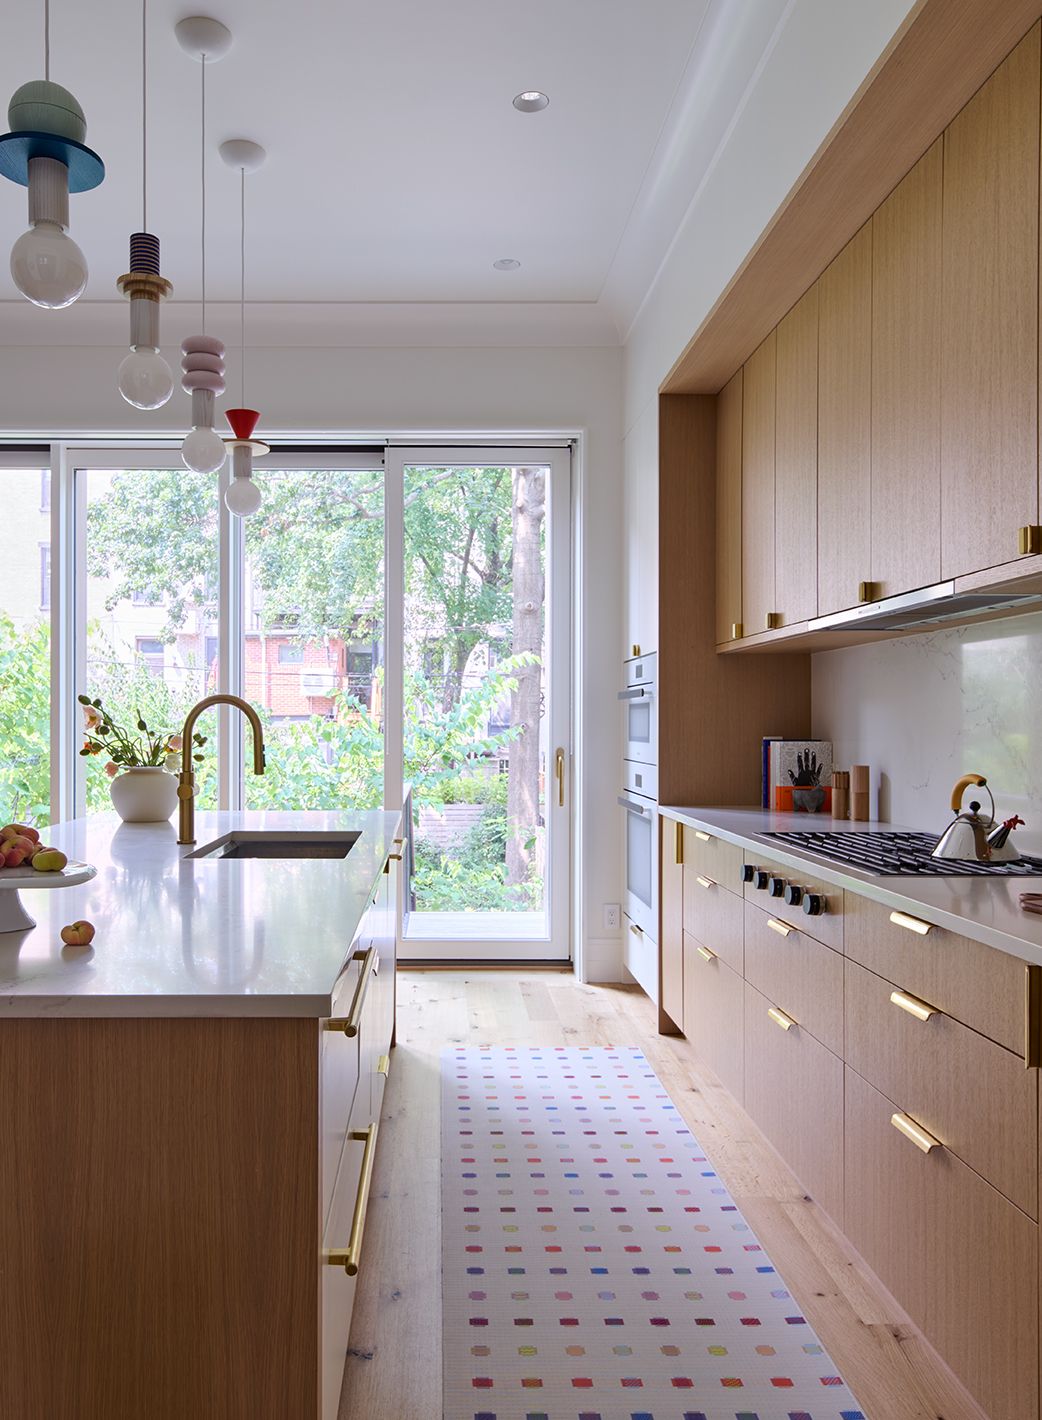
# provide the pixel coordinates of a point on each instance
(612, 916)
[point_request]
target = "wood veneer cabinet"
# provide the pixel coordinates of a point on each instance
(809, 1039)
(924, 462)
(990, 318)
(844, 424)
(796, 464)
(671, 932)
(758, 524)
(729, 510)
(906, 382)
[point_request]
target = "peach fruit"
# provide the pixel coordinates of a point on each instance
(78, 934)
(49, 860)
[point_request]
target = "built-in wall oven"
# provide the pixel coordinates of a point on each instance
(639, 801)
(641, 710)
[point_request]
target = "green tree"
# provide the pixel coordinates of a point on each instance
(25, 722)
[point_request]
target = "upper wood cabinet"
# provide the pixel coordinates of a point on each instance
(758, 404)
(906, 392)
(796, 464)
(990, 318)
(729, 511)
(845, 424)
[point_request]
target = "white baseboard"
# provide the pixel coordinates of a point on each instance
(602, 959)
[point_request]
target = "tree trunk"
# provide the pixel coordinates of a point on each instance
(528, 596)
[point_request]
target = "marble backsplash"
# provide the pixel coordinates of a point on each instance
(923, 710)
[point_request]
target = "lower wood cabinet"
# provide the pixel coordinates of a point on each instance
(797, 973)
(957, 1255)
(671, 931)
(713, 1013)
(794, 1092)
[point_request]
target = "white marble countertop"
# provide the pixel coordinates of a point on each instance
(183, 937)
(986, 909)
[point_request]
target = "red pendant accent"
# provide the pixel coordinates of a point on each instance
(243, 421)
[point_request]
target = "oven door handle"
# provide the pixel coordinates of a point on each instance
(631, 807)
(639, 693)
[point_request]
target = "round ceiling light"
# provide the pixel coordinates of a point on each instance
(531, 101)
(506, 263)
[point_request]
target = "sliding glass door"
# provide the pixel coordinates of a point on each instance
(398, 619)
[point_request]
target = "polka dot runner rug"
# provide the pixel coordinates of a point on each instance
(594, 1266)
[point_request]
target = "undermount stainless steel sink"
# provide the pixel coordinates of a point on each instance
(246, 843)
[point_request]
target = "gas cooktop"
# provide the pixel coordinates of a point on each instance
(899, 855)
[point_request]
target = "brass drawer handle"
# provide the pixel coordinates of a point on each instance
(706, 954)
(919, 1009)
(383, 1065)
(349, 1024)
(782, 928)
(348, 1258)
(913, 924)
(637, 931)
(678, 844)
(705, 882)
(918, 1135)
(399, 842)
(395, 857)
(705, 837)
(780, 1018)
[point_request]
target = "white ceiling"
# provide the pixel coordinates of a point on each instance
(397, 169)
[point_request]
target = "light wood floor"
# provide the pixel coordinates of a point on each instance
(394, 1367)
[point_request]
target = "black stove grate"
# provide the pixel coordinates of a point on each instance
(899, 854)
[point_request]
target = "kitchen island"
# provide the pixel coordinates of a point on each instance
(189, 1115)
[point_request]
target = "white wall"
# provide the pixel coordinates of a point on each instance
(924, 710)
(71, 391)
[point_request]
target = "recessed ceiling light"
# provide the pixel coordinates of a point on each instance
(506, 263)
(531, 101)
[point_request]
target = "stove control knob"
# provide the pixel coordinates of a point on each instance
(761, 878)
(776, 887)
(793, 895)
(814, 904)
(748, 872)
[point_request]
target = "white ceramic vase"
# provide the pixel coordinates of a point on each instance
(144, 794)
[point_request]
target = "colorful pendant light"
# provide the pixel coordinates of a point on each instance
(202, 356)
(242, 496)
(145, 380)
(45, 152)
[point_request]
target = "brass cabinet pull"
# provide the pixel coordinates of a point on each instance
(918, 1135)
(348, 1258)
(868, 591)
(780, 1018)
(636, 649)
(736, 630)
(637, 931)
(383, 1065)
(706, 954)
(399, 842)
(704, 882)
(705, 837)
(782, 928)
(349, 1024)
(913, 924)
(559, 775)
(678, 844)
(1029, 539)
(394, 857)
(772, 621)
(919, 1009)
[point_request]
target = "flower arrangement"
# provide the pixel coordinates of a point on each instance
(147, 748)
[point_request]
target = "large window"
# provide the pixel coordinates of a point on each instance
(25, 646)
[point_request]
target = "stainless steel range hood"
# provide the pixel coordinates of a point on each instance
(926, 607)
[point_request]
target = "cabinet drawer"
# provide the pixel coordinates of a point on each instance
(957, 1255)
(799, 974)
(977, 985)
(826, 926)
(339, 1069)
(713, 1012)
(338, 1288)
(713, 857)
(961, 1087)
(713, 915)
(794, 1092)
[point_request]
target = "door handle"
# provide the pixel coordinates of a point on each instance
(559, 776)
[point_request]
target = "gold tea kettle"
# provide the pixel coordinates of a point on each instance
(976, 836)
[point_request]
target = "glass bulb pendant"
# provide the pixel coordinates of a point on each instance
(202, 376)
(48, 267)
(243, 497)
(145, 380)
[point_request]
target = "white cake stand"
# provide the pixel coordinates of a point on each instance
(13, 916)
